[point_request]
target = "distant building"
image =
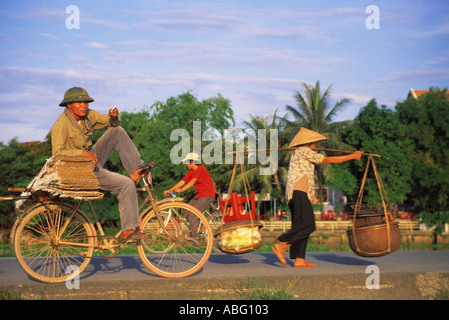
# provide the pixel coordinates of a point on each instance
(416, 93)
(30, 143)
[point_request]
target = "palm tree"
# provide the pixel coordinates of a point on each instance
(314, 113)
(260, 182)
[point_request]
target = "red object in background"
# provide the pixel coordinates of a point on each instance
(329, 216)
(407, 215)
(347, 216)
(235, 209)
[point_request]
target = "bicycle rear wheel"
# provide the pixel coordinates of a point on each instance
(179, 255)
(52, 241)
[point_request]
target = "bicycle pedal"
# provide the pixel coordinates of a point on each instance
(127, 241)
(193, 240)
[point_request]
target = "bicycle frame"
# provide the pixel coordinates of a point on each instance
(96, 225)
(53, 233)
(151, 198)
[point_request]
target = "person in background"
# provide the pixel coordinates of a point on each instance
(197, 177)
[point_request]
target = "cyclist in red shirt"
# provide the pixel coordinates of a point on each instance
(198, 177)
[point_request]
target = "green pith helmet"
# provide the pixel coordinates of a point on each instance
(75, 94)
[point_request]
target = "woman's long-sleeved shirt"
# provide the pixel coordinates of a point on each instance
(302, 163)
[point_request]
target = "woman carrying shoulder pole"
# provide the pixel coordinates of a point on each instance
(300, 195)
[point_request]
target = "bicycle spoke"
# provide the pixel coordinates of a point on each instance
(51, 238)
(181, 255)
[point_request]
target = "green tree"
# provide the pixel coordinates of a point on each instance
(315, 113)
(19, 164)
(215, 115)
(379, 131)
(183, 110)
(427, 126)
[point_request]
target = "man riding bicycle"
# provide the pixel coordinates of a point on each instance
(71, 136)
(198, 177)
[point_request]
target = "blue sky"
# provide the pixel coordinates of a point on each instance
(255, 53)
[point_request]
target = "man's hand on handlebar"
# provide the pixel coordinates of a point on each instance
(171, 193)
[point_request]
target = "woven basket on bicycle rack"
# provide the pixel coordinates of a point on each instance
(239, 236)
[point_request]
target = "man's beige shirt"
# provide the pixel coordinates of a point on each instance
(68, 140)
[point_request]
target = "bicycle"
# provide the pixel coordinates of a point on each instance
(212, 214)
(54, 237)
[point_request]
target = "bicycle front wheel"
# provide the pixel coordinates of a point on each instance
(53, 241)
(184, 246)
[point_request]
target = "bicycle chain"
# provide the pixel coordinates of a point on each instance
(100, 238)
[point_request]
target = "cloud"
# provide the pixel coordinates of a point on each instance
(59, 15)
(204, 56)
(25, 54)
(417, 75)
(245, 21)
(266, 82)
(35, 83)
(28, 131)
(104, 23)
(432, 31)
(28, 112)
(47, 35)
(196, 81)
(357, 99)
(208, 18)
(5, 38)
(96, 45)
(438, 59)
(30, 75)
(45, 14)
(315, 13)
(292, 33)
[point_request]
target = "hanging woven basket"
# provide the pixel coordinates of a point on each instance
(239, 236)
(372, 234)
(239, 232)
(375, 241)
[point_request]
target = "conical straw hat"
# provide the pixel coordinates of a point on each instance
(306, 136)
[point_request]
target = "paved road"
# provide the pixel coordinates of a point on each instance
(338, 275)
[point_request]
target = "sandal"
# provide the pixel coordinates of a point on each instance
(304, 265)
(144, 167)
(279, 255)
(132, 235)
